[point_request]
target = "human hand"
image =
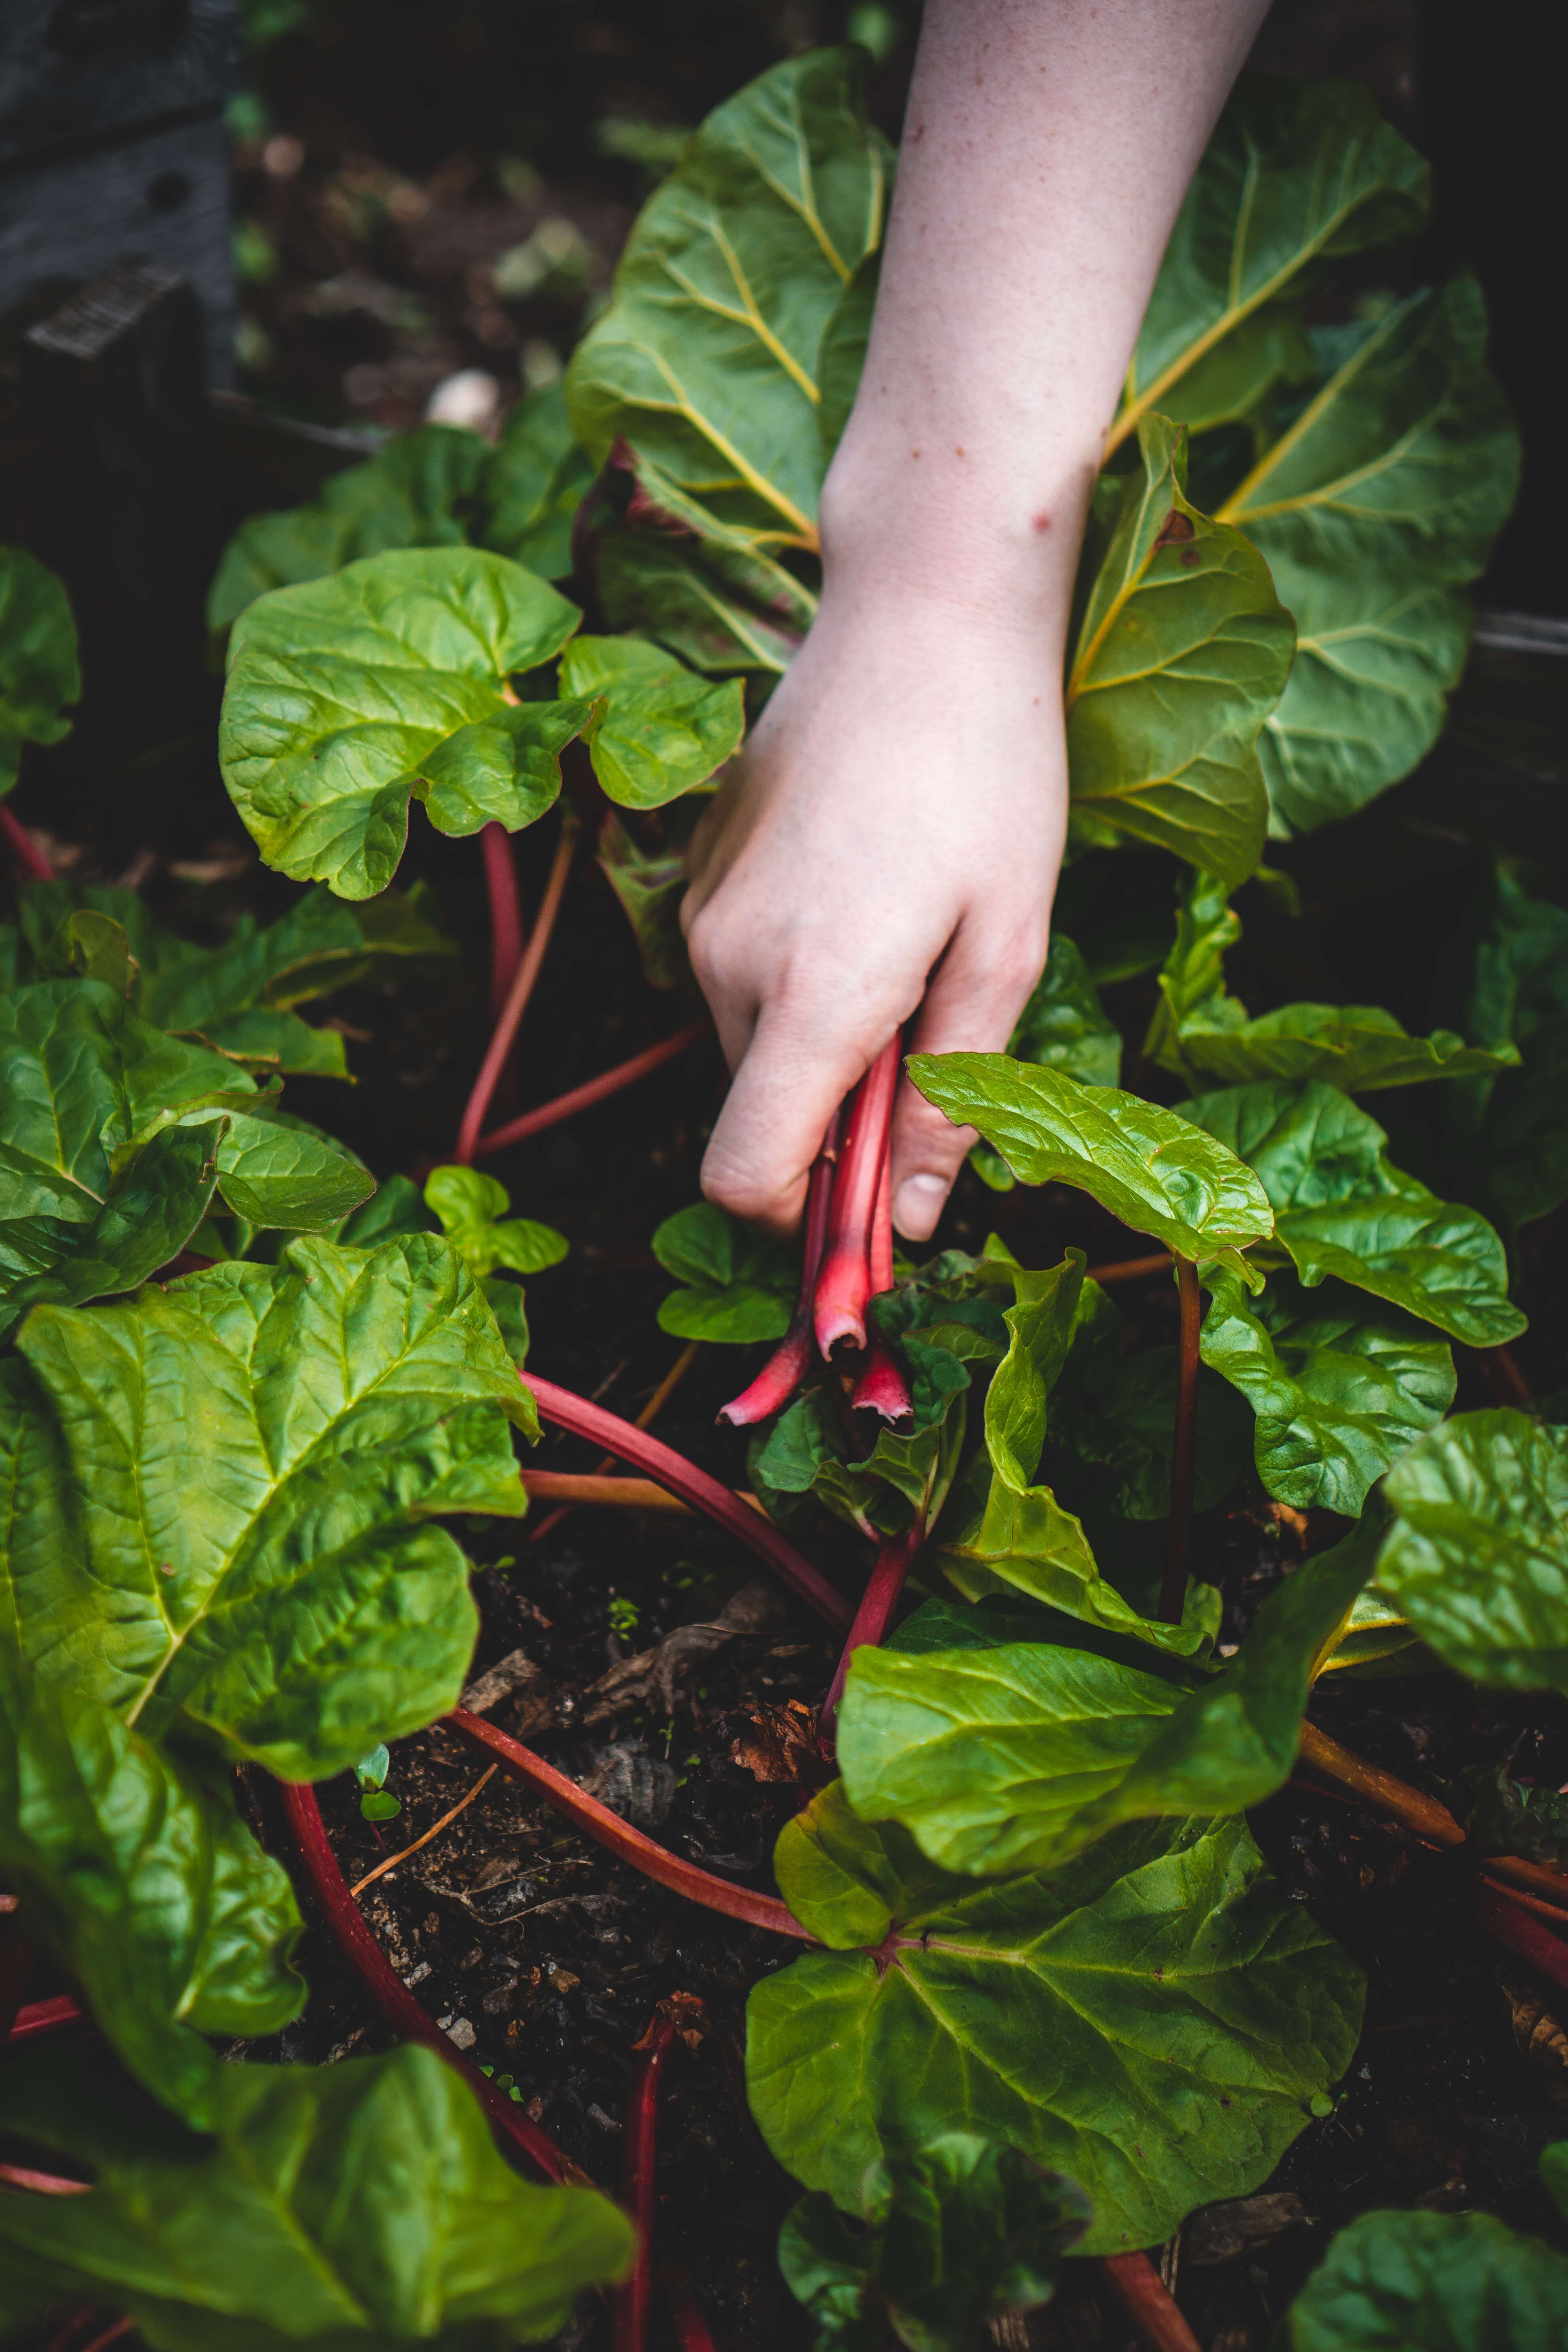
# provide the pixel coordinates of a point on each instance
(886, 847)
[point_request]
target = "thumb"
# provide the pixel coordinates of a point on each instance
(971, 1007)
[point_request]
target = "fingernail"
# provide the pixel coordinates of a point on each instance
(917, 1206)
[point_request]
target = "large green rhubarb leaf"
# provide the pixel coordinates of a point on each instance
(1017, 1758)
(1166, 692)
(218, 1499)
(349, 696)
(336, 2208)
(1296, 175)
(1432, 2282)
(1372, 509)
(1477, 1557)
(1200, 1029)
(145, 1887)
(954, 2234)
(705, 359)
(1154, 2019)
(1341, 1209)
(1133, 1157)
(39, 673)
(1340, 1389)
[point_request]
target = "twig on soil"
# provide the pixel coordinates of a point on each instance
(593, 1090)
(844, 1282)
(1147, 2302)
(645, 1420)
(394, 1858)
(564, 1411)
(24, 849)
(627, 1845)
(681, 2014)
(1174, 1592)
(787, 1366)
(521, 989)
(877, 1603)
(391, 1997)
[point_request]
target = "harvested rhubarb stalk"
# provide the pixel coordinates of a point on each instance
(845, 1282)
(787, 1366)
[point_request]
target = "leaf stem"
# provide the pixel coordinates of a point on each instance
(24, 850)
(1508, 1923)
(660, 1462)
(1147, 2303)
(506, 912)
(639, 2165)
(40, 2017)
(566, 1487)
(877, 1603)
(791, 1360)
(1174, 1592)
(391, 1995)
(1130, 1270)
(521, 989)
(880, 1386)
(1420, 1814)
(844, 1283)
(592, 1091)
(628, 1846)
(645, 1420)
(433, 1831)
(692, 2332)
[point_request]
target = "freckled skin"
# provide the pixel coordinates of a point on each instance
(886, 849)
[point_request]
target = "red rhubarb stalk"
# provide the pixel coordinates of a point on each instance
(41, 2017)
(562, 1410)
(506, 912)
(521, 989)
(692, 2332)
(877, 1603)
(627, 1845)
(592, 1091)
(844, 1284)
(639, 2163)
(791, 1360)
(1174, 1592)
(881, 1387)
(391, 1996)
(1509, 1924)
(35, 866)
(1147, 2303)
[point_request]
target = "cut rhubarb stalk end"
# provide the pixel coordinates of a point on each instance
(791, 1360)
(845, 1283)
(881, 1387)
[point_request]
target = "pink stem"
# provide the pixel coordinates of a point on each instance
(1521, 1932)
(41, 2017)
(692, 2332)
(877, 1603)
(582, 1098)
(391, 1997)
(506, 912)
(627, 1845)
(1147, 2303)
(791, 1360)
(881, 1387)
(521, 989)
(562, 1410)
(35, 866)
(639, 2162)
(844, 1283)
(880, 1254)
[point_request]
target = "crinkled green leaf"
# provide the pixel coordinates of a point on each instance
(1477, 1557)
(1199, 1029)
(1296, 175)
(1372, 509)
(1431, 2282)
(348, 695)
(650, 886)
(472, 1210)
(952, 2234)
(1018, 1757)
(533, 483)
(1040, 1334)
(1166, 692)
(1339, 1389)
(218, 1499)
(1341, 1209)
(149, 1213)
(1154, 2020)
(740, 1285)
(39, 673)
(278, 1172)
(664, 729)
(706, 358)
(417, 493)
(146, 1888)
(333, 2207)
(1127, 1154)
